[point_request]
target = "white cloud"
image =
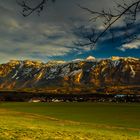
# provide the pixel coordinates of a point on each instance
(28, 40)
(133, 45)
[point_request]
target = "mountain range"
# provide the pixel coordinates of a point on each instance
(91, 75)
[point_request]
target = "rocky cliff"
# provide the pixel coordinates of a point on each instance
(117, 74)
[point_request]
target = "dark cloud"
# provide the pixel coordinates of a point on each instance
(50, 35)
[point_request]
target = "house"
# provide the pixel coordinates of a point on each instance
(36, 100)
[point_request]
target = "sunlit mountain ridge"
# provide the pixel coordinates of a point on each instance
(112, 75)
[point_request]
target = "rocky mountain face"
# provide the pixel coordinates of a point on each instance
(112, 75)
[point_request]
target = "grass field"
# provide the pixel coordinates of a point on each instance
(69, 121)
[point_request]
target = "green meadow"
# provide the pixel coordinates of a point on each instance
(69, 121)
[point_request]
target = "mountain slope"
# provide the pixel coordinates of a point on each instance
(109, 75)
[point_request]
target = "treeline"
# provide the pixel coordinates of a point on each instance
(45, 97)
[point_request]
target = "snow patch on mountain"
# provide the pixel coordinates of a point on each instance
(27, 71)
(21, 64)
(132, 72)
(115, 63)
(15, 74)
(75, 72)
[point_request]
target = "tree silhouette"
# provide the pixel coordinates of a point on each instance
(126, 11)
(28, 10)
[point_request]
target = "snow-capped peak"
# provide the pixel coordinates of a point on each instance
(90, 58)
(116, 58)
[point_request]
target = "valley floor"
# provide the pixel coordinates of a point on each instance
(69, 121)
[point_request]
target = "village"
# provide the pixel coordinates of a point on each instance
(43, 97)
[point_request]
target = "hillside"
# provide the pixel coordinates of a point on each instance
(113, 75)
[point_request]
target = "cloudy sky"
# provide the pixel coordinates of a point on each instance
(52, 35)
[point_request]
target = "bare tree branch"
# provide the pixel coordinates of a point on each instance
(124, 11)
(28, 10)
(127, 11)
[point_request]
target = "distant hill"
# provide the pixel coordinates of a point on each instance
(113, 75)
